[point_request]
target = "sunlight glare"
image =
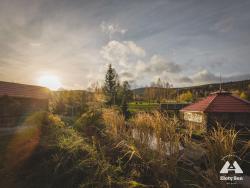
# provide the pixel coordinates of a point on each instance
(50, 81)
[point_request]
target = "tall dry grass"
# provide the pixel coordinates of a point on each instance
(159, 133)
(151, 141)
(160, 129)
(114, 121)
(219, 143)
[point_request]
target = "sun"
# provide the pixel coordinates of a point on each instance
(50, 81)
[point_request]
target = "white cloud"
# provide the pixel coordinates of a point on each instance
(131, 63)
(121, 53)
(137, 50)
(112, 29)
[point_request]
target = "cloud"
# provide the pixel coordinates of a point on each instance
(159, 64)
(122, 53)
(112, 29)
(236, 78)
(185, 79)
(223, 25)
(205, 76)
(131, 63)
(66, 37)
(35, 44)
(127, 74)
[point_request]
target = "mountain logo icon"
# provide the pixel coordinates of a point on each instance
(231, 167)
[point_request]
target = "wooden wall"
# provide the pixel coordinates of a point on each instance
(237, 120)
(12, 110)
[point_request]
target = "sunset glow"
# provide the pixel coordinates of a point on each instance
(50, 81)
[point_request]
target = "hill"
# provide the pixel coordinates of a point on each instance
(203, 90)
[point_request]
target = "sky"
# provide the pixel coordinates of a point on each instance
(183, 42)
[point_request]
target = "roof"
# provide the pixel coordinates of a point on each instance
(220, 102)
(23, 90)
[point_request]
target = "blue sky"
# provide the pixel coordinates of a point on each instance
(185, 42)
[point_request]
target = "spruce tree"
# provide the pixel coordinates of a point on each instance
(110, 85)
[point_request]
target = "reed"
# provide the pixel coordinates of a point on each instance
(114, 121)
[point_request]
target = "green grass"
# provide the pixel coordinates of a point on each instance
(143, 106)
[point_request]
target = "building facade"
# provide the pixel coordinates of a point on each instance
(220, 107)
(18, 100)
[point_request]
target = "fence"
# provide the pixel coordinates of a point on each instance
(172, 106)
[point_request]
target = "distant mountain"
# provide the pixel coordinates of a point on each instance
(243, 85)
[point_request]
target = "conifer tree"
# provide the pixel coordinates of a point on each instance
(110, 85)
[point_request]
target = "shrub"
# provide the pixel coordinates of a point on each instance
(89, 123)
(186, 97)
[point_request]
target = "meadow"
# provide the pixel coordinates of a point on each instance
(100, 148)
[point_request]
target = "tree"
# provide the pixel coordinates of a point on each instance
(243, 95)
(126, 93)
(159, 88)
(69, 102)
(166, 86)
(110, 85)
(186, 97)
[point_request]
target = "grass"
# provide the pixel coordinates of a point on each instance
(101, 149)
(143, 106)
(161, 159)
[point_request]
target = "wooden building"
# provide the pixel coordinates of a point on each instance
(219, 107)
(18, 100)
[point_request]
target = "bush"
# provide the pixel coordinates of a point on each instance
(89, 123)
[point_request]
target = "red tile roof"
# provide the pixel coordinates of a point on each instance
(220, 102)
(23, 90)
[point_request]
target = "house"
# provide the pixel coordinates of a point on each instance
(17, 100)
(219, 107)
